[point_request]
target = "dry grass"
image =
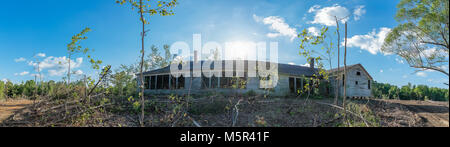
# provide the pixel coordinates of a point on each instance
(216, 112)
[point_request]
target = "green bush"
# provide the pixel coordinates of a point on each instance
(2, 90)
(250, 93)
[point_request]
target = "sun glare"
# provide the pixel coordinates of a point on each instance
(240, 50)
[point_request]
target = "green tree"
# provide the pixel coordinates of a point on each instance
(74, 47)
(29, 88)
(2, 90)
(422, 37)
(409, 92)
(9, 86)
(394, 92)
(146, 7)
(308, 39)
(155, 60)
(405, 92)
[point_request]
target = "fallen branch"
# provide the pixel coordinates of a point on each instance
(195, 122)
(132, 119)
(335, 106)
(234, 119)
(100, 80)
(59, 106)
(76, 114)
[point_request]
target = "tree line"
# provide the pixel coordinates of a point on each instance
(120, 82)
(409, 92)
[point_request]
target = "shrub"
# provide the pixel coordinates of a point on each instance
(250, 93)
(216, 107)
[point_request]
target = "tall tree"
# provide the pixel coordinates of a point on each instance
(422, 37)
(345, 73)
(144, 9)
(337, 84)
(74, 47)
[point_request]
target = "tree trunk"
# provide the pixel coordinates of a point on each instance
(345, 73)
(338, 67)
(141, 11)
(68, 73)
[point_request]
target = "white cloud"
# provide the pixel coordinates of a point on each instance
(21, 59)
(371, 42)
(429, 52)
(278, 25)
(438, 81)
(273, 35)
(40, 55)
(399, 60)
(22, 73)
(78, 72)
(421, 74)
(306, 64)
(57, 66)
(434, 52)
(5, 80)
(313, 8)
(37, 75)
(54, 72)
(445, 67)
(381, 71)
(326, 15)
(257, 18)
(428, 70)
(405, 76)
(314, 31)
(359, 11)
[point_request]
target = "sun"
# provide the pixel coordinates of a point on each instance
(240, 50)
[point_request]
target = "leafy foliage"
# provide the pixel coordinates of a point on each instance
(74, 47)
(2, 90)
(409, 92)
(162, 8)
(155, 60)
(308, 39)
(422, 37)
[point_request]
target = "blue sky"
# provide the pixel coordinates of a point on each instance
(46, 26)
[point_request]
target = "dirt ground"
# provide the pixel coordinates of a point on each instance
(427, 113)
(279, 112)
(8, 108)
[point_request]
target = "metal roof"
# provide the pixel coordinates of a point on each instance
(349, 67)
(293, 70)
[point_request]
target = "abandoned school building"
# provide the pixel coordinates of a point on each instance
(291, 79)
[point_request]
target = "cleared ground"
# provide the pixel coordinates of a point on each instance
(8, 108)
(275, 112)
(426, 113)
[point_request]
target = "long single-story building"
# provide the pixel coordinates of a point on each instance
(290, 80)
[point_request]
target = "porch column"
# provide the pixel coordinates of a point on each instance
(156, 82)
(170, 81)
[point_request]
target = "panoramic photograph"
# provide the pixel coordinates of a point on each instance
(240, 64)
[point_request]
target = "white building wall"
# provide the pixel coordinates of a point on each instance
(282, 89)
